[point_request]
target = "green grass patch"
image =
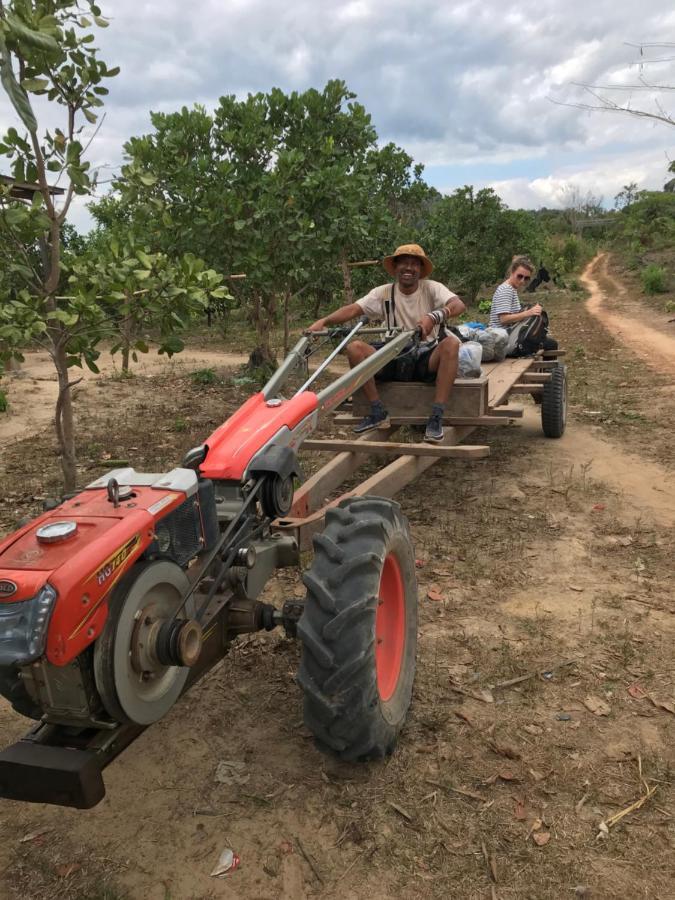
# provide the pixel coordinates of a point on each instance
(654, 279)
(3, 402)
(204, 376)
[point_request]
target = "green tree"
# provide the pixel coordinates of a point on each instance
(286, 188)
(46, 51)
(145, 296)
(472, 236)
(51, 296)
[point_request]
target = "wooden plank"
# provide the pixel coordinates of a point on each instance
(534, 389)
(509, 412)
(379, 448)
(539, 377)
(503, 377)
(475, 421)
(469, 397)
(312, 494)
(386, 482)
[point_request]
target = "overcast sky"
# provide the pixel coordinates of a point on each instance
(466, 88)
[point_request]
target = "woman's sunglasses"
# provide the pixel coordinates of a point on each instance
(523, 277)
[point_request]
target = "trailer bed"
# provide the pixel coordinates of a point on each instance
(474, 403)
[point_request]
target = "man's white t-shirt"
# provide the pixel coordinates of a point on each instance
(409, 308)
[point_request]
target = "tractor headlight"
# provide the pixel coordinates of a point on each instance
(23, 628)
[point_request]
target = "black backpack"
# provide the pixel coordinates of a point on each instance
(527, 336)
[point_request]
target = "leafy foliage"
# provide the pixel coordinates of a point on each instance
(472, 237)
(55, 293)
(654, 279)
(283, 188)
(648, 222)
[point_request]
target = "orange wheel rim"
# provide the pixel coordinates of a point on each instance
(389, 628)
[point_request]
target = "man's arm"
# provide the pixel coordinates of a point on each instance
(454, 307)
(343, 314)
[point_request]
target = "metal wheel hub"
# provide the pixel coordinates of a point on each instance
(130, 676)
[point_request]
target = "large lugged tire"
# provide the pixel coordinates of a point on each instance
(554, 403)
(359, 630)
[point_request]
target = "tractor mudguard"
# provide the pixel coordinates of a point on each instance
(281, 461)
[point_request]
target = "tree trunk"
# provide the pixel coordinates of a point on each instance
(347, 279)
(287, 298)
(127, 332)
(321, 296)
(263, 316)
(63, 420)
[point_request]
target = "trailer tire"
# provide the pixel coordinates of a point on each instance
(13, 689)
(359, 630)
(554, 403)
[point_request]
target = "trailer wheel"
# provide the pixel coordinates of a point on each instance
(359, 630)
(13, 689)
(554, 403)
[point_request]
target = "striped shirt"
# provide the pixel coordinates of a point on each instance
(504, 300)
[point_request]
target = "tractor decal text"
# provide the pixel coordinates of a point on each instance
(105, 574)
(115, 560)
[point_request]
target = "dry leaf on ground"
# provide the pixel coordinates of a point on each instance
(65, 870)
(597, 705)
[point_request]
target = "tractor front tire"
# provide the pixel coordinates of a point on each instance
(359, 630)
(554, 403)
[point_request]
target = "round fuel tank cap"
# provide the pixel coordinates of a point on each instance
(54, 532)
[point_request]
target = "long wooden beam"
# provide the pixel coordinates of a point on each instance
(386, 482)
(452, 421)
(507, 412)
(382, 448)
(502, 378)
(539, 377)
(534, 389)
(312, 494)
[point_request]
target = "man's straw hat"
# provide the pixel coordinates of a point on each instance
(409, 250)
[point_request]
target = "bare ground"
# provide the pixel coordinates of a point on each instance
(548, 552)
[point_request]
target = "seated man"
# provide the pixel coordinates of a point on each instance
(413, 300)
(506, 308)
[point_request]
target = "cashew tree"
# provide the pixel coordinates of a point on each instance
(65, 300)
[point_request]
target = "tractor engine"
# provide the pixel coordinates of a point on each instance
(94, 625)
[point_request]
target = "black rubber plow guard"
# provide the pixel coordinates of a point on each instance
(359, 629)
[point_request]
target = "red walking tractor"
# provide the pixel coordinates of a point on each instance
(115, 601)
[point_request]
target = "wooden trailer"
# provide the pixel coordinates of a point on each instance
(474, 403)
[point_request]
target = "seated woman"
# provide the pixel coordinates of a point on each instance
(506, 307)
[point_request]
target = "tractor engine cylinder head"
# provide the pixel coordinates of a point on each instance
(179, 642)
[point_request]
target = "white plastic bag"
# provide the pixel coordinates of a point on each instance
(470, 355)
(493, 341)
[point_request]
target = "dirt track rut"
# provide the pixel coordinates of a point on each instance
(656, 347)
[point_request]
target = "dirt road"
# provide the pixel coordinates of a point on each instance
(547, 552)
(611, 304)
(32, 390)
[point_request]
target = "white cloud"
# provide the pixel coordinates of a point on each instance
(604, 179)
(466, 83)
